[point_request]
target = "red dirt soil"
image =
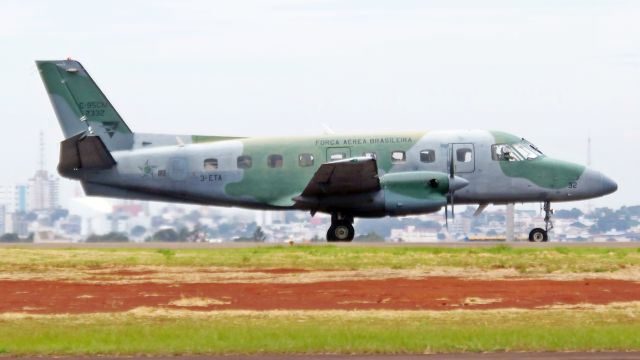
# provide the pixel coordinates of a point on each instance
(434, 293)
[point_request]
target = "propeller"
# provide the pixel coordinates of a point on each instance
(451, 179)
(455, 183)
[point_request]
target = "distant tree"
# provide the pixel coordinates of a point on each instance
(184, 234)
(259, 235)
(632, 210)
(110, 237)
(579, 225)
(9, 237)
(568, 214)
(58, 214)
(193, 216)
(138, 230)
(31, 216)
(370, 237)
(256, 236)
(225, 230)
(168, 235)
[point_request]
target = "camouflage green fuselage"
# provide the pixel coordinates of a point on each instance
(172, 169)
(417, 171)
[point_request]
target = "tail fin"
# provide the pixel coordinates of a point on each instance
(81, 106)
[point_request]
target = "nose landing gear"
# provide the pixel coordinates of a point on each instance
(542, 235)
(341, 228)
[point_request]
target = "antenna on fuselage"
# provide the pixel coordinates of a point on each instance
(327, 130)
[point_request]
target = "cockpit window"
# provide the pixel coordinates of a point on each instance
(535, 148)
(526, 151)
(514, 152)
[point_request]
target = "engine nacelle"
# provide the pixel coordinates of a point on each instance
(414, 192)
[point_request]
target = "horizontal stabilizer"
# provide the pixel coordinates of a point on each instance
(86, 152)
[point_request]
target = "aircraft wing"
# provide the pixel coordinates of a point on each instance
(344, 177)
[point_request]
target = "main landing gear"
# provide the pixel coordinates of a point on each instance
(542, 235)
(341, 228)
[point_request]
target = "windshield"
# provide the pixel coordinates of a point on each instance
(515, 152)
(532, 147)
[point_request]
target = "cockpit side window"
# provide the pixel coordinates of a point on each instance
(504, 152)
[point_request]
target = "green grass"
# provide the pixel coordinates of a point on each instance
(524, 260)
(328, 332)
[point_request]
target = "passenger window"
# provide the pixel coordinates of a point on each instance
(337, 156)
(274, 161)
(464, 155)
(369, 155)
(398, 157)
(427, 156)
(210, 164)
(244, 162)
(305, 160)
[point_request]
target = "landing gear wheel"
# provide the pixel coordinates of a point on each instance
(538, 235)
(341, 231)
(341, 228)
(330, 236)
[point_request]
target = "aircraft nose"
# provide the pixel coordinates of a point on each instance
(608, 186)
(597, 184)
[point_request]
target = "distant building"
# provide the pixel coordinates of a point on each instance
(3, 215)
(14, 198)
(43, 191)
(413, 234)
(21, 195)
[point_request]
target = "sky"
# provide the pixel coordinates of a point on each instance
(554, 72)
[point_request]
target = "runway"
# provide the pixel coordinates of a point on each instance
(230, 245)
(489, 356)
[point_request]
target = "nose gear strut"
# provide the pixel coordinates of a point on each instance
(548, 211)
(542, 235)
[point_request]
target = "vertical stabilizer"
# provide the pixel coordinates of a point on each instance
(80, 105)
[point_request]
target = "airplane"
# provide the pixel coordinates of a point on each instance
(346, 176)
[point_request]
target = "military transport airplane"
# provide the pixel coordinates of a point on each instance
(345, 176)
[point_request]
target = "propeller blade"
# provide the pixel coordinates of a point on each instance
(453, 214)
(451, 164)
(451, 178)
(446, 216)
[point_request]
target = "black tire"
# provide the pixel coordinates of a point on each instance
(330, 237)
(538, 235)
(341, 231)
